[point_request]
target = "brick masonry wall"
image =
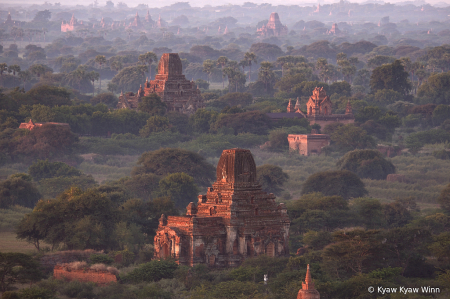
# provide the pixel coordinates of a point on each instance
(87, 275)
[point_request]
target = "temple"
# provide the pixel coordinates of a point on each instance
(308, 144)
(319, 110)
(72, 25)
(273, 27)
(31, 125)
(291, 112)
(136, 23)
(9, 21)
(233, 221)
(170, 84)
(308, 290)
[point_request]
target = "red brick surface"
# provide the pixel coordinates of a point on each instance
(84, 275)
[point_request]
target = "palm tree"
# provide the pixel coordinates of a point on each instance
(148, 58)
(93, 76)
(208, 67)
(37, 69)
(266, 74)
(250, 57)
(222, 61)
(14, 69)
(100, 59)
(24, 76)
(3, 68)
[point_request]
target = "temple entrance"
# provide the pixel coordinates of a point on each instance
(165, 252)
(270, 249)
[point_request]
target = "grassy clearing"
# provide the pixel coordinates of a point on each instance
(105, 172)
(9, 218)
(12, 169)
(9, 243)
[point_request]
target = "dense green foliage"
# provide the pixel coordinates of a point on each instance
(17, 268)
(170, 160)
(271, 178)
(340, 182)
(366, 164)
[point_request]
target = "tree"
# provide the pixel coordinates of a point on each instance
(250, 57)
(340, 182)
(235, 77)
(14, 69)
(18, 190)
(43, 169)
(169, 160)
(366, 164)
(100, 59)
(240, 99)
(352, 252)
(390, 76)
(440, 114)
(444, 199)
(436, 89)
(152, 105)
(45, 142)
(278, 141)
(38, 69)
(255, 122)
(208, 67)
(107, 98)
(130, 78)
(202, 120)
(222, 61)
(148, 59)
(350, 137)
(266, 51)
(155, 124)
(80, 220)
(180, 187)
(17, 268)
(93, 76)
(387, 96)
(266, 75)
(42, 16)
(48, 95)
(271, 178)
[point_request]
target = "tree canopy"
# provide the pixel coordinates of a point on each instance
(171, 160)
(339, 182)
(390, 76)
(366, 164)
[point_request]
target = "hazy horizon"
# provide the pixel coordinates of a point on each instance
(201, 3)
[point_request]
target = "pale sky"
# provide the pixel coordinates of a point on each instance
(197, 3)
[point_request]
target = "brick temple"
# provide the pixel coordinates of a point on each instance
(308, 144)
(233, 221)
(308, 290)
(72, 25)
(319, 110)
(273, 27)
(170, 84)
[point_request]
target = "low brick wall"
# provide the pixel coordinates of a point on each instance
(84, 275)
(49, 261)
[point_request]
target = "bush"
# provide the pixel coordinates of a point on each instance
(366, 164)
(341, 182)
(152, 271)
(76, 289)
(100, 259)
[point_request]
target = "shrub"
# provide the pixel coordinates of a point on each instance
(366, 164)
(101, 259)
(76, 289)
(152, 271)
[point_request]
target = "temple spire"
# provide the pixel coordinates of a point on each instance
(308, 290)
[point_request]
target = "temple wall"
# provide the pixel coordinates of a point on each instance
(99, 277)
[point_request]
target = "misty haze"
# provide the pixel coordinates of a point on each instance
(224, 150)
